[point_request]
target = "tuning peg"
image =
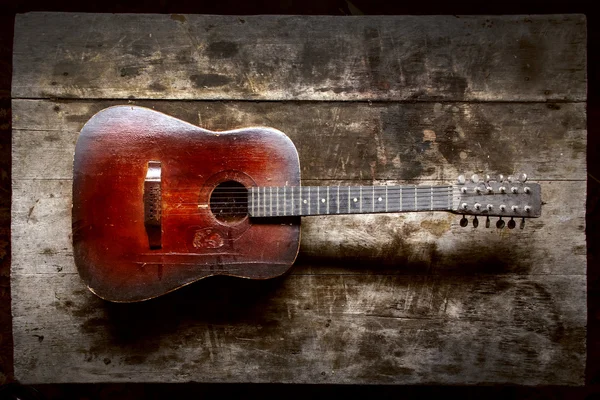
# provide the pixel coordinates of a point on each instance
(475, 222)
(522, 224)
(488, 178)
(511, 224)
(522, 178)
(464, 221)
(500, 223)
(500, 178)
(487, 222)
(510, 178)
(461, 179)
(475, 178)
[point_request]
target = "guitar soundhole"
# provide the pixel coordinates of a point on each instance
(229, 202)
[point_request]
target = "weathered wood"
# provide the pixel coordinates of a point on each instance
(312, 329)
(389, 140)
(398, 298)
(424, 243)
(495, 58)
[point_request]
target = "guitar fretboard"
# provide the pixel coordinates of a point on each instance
(330, 200)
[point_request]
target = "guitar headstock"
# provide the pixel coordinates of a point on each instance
(504, 197)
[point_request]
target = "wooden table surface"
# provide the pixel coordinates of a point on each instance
(396, 298)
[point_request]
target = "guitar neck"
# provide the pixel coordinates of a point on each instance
(332, 200)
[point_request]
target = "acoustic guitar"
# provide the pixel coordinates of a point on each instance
(159, 203)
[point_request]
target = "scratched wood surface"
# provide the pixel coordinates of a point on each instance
(398, 298)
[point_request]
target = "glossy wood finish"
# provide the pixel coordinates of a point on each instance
(111, 246)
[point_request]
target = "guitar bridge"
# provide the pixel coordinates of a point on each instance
(153, 205)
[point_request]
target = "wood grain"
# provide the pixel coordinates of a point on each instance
(375, 299)
(459, 58)
(308, 329)
(390, 141)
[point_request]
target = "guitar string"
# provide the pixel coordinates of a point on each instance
(244, 200)
(245, 194)
(239, 207)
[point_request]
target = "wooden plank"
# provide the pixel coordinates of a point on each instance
(424, 243)
(391, 141)
(400, 298)
(459, 58)
(308, 329)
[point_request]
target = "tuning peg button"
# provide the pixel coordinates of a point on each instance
(461, 179)
(475, 178)
(514, 189)
(502, 189)
(522, 178)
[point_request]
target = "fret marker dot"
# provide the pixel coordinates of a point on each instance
(304, 201)
(322, 200)
(355, 199)
(379, 199)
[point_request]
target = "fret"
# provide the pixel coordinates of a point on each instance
(431, 198)
(373, 198)
(416, 201)
(360, 198)
(273, 201)
(386, 198)
(348, 210)
(284, 203)
(318, 202)
(292, 212)
(400, 196)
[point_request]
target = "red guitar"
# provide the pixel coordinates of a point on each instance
(159, 203)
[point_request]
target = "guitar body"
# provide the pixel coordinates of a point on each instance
(136, 236)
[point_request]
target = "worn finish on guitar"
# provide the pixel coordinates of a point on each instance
(159, 203)
(112, 247)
